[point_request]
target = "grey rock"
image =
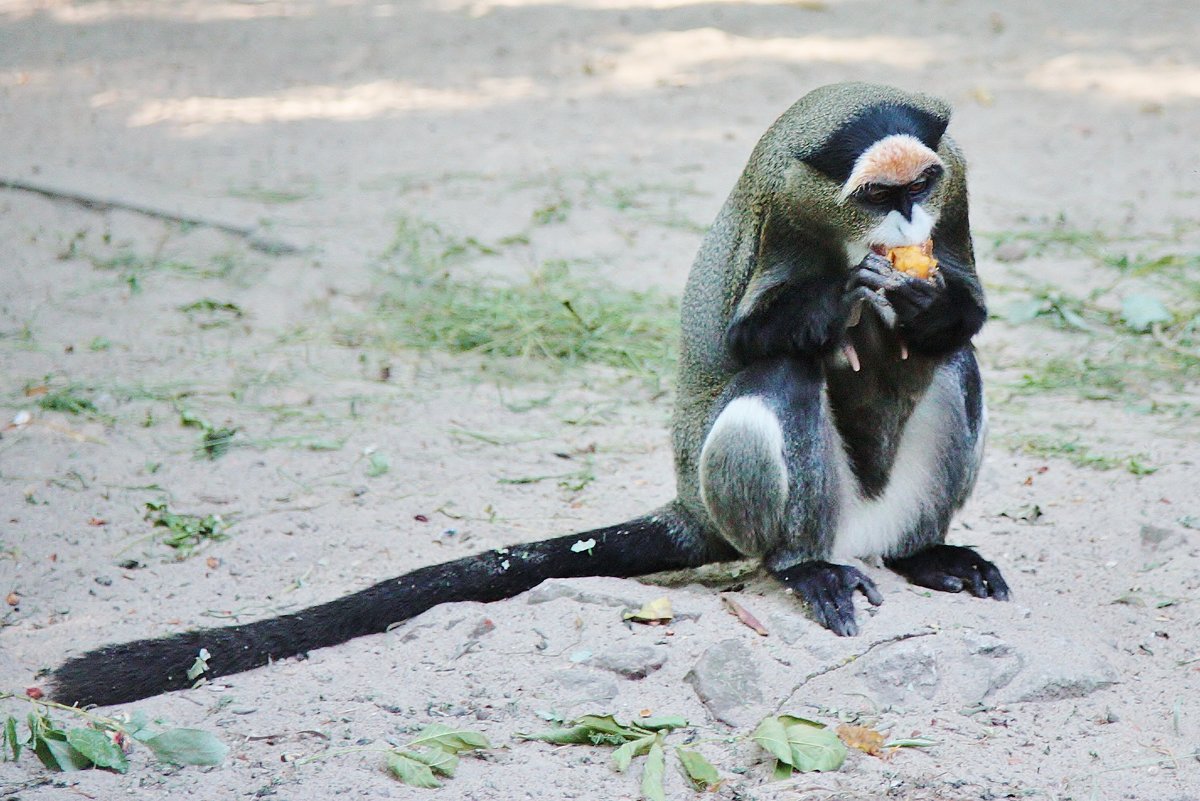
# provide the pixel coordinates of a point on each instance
(1012, 251)
(631, 661)
(1066, 672)
(789, 628)
(727, 680)
(990, 660)
(584, 685)
(1156, 538)
(902, 673)
(554, 589)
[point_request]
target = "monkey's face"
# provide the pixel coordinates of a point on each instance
(893, 193)
(878, 179)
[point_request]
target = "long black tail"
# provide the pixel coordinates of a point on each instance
(121, 673)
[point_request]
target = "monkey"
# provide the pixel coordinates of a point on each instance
(828, 408)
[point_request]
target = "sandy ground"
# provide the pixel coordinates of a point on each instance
(607, 132)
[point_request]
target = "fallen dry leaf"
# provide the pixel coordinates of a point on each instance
(34, 692)
(97, 521)
(656, 611)
(743, 614)
(864, 739)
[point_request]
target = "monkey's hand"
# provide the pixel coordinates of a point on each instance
(828, 592)
(933, 315)
(952, 568)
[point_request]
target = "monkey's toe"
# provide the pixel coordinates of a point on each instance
(828, 592)
(953, 568)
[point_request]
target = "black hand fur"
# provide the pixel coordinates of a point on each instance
(803, 319)
(828, 591)
(936, 320)
(952, 568)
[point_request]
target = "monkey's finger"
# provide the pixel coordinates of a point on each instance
(996, 583)
(868, 588)
(875, 263)
(943, 582)
(842, 614)
(820, 609)
(873, 280)
(976, 582)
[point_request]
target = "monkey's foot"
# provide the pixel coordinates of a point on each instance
(952, 568)
(828, 591)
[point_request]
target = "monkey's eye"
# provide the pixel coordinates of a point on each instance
(918, 186)
(875, 195)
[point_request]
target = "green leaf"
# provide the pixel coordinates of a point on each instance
(98, 748)
(188, 747)
(200, 665)
(11, 741)
(573, 735)
(1074, 319)
(910, 742)
(662, 722)
(378, 464)
(699, 770)
(607, 724)
(815, 747)
(1140, 312)
(137, 724)
(447, 739)
(625, 754)
(440, 761)
(782, 771)
(1022, 311)
(652, 775)
(792, 720)
(411, 771)
(56, 753)
(773, 737)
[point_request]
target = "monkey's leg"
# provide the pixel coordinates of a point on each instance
(769, 483)
(924, 558)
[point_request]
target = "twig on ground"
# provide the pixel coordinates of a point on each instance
(252, 235)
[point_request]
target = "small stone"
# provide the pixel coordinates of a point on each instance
(632, 661)
(556, 588)
(1012, 251)
(584, 685)
(728, 682)
(1157, 538)
(104, 581)
(1071, 671)
(900, 673)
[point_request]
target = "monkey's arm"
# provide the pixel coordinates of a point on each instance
(797, 318)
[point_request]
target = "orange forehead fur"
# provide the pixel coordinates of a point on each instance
(894, 160)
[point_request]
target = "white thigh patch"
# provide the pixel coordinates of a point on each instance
(743, 475)
(874, 526)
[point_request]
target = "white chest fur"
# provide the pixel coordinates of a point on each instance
(870, 527)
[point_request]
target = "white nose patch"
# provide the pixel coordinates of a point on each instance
(895, 231)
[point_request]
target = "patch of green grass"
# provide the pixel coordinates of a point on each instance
(1081, 455)
(1135, 335)
(185, 533)
(70, 399)
(210, 313)
(269, 195)
(215, 441)
(555, 316)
